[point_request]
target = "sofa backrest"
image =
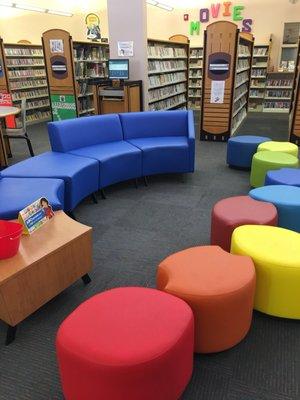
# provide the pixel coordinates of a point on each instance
(154, 123)
(72, 134)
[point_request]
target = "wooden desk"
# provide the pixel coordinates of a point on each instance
(48, 261)
(5, 112)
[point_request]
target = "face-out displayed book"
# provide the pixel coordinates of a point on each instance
(35, 215)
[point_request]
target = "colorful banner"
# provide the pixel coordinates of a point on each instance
(63, 106)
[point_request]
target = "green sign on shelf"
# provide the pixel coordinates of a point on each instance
(63, 106)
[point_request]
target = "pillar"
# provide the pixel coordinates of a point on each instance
(127, 21)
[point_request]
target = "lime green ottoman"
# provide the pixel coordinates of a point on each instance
(284, 147)
(264, 161)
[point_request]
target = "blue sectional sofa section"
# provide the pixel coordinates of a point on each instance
(17, 193)
(81, 175)
(91, 153)
(167, 139)
(99, 138)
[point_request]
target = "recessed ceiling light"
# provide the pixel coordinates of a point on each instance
(165, 7)
(29, 8)
(63, 13)
(152, 2)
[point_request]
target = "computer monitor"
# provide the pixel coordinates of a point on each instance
(118, 69)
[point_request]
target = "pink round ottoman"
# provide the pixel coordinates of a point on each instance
(232, 212)
(127, 343)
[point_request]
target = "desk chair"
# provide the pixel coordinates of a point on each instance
(20, 133)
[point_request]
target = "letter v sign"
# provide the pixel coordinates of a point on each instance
(215, 9)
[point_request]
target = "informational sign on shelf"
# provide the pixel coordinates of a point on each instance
(35, 215)
(6, 101)
(125, 49)
(63, 106)
(217, 92)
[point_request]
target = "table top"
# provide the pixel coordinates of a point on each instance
(7, 111)
(56, 233)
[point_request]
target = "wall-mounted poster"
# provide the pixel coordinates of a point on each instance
(93, 27)
(125, 49)
(63, 106)
(56, 46)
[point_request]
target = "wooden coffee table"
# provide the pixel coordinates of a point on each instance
(48, 261)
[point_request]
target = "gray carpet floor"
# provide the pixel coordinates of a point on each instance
(134, 229)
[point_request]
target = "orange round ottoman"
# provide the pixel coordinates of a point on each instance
(219, 287)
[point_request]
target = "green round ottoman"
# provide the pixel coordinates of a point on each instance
(264, 161)
(284, 147)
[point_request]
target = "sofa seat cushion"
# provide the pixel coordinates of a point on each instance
(17, 193)
(163, 154)
(81, 175)
(119, 161)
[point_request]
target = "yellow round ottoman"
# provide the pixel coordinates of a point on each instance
(276, 255)
(284, 147)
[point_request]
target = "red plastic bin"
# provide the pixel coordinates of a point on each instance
(10, 236)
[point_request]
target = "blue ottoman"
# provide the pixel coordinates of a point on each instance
(240, 150)
(283, 176)
(287, 201)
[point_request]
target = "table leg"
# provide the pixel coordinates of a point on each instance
(3, 155)
(11, 334)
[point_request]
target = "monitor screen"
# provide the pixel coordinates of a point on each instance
(118, 69)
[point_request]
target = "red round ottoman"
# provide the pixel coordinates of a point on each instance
(230, 213)
(127, 343)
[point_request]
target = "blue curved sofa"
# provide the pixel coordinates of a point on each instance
(91, 153)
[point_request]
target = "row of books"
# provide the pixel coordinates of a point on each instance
(88, 53)
(30, 94)
(243, 50)
(35, 116)
(169, 103)
(258, 82)
(278, 93)
(239, 103)
(83, 87)
(28, 84)
(85, 104)
(258, 72)
(166, 65)
(279, 82)
(241, 89)
(196, 64)
(242, 77)
(195, 73)
(38, 103)
(26, 73)
(24, 62)
(260, 64)
(194, 103)
(257, 93)
(243, 63)
(23, 52)
(195, 92)
(164, 79)
(156, 50)
(277, 104)
(287, 66)
(238, 118)
(255, 106)
(157, 94)
(196, 83)
(196, 53)
(90, 70)
(260, 51)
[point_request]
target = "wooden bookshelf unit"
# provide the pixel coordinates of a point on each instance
(195, 77)
(294, 128)
(226, 80)
(168, 71)
(260, 66)
(25, 77)
(74, 69)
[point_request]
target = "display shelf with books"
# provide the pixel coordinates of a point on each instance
(168, 70)
(278, 92)
(27, 79)
(195, 77)
(294, 120)
(74, 69)
(260, 65)
(226, 79)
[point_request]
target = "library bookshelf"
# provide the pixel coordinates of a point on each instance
(25, 77)
(278, 92)
(74, 69)
(226, 80)
(260, 67)
(195, 77)
(168, 72)
(294, 125)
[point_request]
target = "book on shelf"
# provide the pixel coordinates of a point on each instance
(166, 65)
(166, 91)
(17, 96)
(164, 79)
(278, 93)
(90, 53)
(243, 50)
(196, 53)
(243, 63)
(279, 82)
(168, 103)
(277, 104)
(260, 51)
(161, 51)
(14, 51)
(242, 77)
